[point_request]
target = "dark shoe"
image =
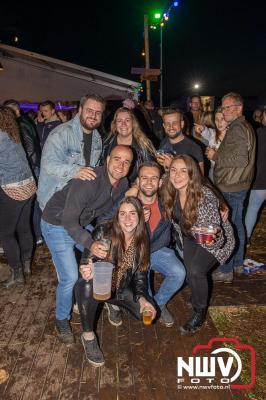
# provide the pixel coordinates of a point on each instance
(114, 314)
(195, 322)
(239, 270)
(19, 276)
(64, 331)
(93, 352)
(166, 318)
(226, 277)
(16, 279)
(27, 268)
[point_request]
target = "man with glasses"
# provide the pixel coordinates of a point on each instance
(72, 149)
(233, 174)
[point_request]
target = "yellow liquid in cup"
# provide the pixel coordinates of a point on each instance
(147, 318)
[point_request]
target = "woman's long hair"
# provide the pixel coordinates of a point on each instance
(137, 133)
(193, 192)
(8, 123)
(140, 236)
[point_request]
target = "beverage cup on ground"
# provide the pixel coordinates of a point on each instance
(147, 316)
(102, 280)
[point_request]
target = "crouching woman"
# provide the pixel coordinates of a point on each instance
(194, 204)
(130, 255)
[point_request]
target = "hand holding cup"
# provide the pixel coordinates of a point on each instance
(86, 270)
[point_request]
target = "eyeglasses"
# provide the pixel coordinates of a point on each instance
(90, 111)
(224, 108)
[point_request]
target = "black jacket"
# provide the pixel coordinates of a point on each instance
(45, 128)
(80, 202)
(161, 237)
(137, 280)
(30, 142)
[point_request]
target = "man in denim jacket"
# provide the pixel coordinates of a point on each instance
(72, 149)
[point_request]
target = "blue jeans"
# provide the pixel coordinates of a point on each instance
(166, 262)
(61, 247)
(235, 201)
(256, 199)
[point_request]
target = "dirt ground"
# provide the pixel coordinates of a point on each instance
(248, 322)
(34, 365)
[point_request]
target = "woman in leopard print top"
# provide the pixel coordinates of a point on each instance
(191, 202)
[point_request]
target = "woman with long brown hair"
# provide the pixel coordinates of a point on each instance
(125, 130)
(130, 255)
(195, 207)
(17, 187)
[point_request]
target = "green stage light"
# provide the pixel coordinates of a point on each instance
(157, 16)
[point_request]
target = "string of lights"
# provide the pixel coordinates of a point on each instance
(161, 19)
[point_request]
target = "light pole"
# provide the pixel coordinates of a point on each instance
(161, 21)
(161, 65)
(147, 55)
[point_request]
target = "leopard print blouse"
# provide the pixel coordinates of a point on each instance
(208, 214)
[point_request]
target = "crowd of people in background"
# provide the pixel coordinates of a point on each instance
(149, 179)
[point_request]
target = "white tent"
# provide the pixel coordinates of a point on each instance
(27, 76)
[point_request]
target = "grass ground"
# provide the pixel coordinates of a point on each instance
(248, 324)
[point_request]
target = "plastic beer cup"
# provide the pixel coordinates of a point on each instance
(147, 316)
(102, 280)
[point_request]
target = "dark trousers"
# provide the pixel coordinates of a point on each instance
(198, 263)
(15, 229)
(88, 305)
(37, 215)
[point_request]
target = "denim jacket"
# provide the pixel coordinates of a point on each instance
(14, 166)
(62, 157)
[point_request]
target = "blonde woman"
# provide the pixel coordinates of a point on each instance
(125, 130)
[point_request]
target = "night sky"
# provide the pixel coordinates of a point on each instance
(221, 44)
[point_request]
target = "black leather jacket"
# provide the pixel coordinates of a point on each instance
(30, 142)
(136, 280)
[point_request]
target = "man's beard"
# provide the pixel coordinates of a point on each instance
(148, 193)
(176, 135)
(91, 125)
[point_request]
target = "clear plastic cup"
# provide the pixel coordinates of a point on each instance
(147, 316)
(102, 280)
(204, 234)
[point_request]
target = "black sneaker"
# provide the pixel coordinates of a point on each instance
(195, 322)
(114, 314)
(166, 318)
(93, 352)
(64, 331)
